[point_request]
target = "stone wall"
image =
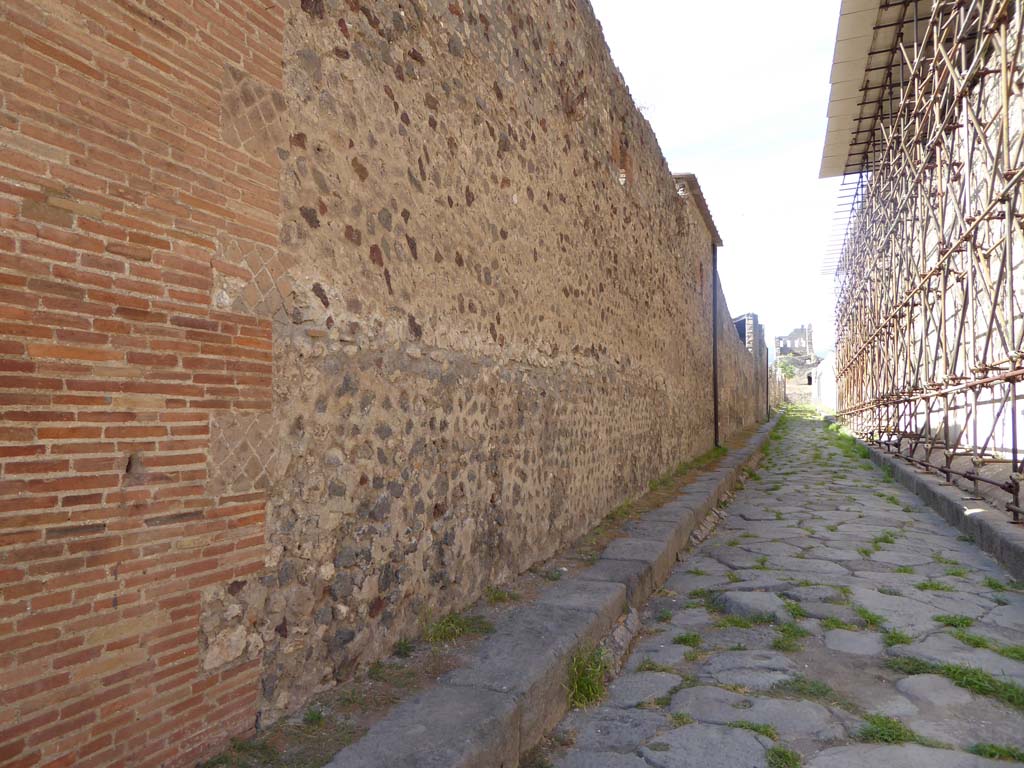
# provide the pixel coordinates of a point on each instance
(296, 356)
(741, 400)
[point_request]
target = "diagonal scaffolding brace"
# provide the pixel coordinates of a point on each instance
(929, 280)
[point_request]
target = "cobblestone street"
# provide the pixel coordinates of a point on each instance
(831, 621)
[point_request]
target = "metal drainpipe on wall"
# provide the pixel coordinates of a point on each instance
(714, 335)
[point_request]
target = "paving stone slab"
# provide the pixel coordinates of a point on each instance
(942, 648)
(756, 670)
(758, 580)
(754, 604)
(856, 643)
(727, 638)
(901, 557)
(611, 729)
(685, 583)
(689, 618)
(832, 611)
(666, 655)
(1007, 616)
(636, 688)
(907, 614)
(734, 557)
(898, 756)
(934, 690)
(836, 554)
(707, 746)
(793, 719)
(772, 548)
(808, 565)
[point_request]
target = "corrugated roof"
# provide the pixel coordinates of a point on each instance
(867, 71)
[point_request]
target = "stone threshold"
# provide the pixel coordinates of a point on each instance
(987, 526)
(512, 690)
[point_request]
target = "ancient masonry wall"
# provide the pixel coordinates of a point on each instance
(741, 400)
(314, 320)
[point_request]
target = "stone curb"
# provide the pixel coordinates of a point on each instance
(512, 689)
(976, 518)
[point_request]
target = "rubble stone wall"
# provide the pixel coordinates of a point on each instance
(741, 401)
(317, 318)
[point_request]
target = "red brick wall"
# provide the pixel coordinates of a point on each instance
(138, 193)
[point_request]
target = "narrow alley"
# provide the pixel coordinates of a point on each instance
(831, 619)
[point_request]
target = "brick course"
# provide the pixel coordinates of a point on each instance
(118, 192)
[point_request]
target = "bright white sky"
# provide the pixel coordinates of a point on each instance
(737, 93)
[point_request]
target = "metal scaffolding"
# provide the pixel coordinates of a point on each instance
(930, 332)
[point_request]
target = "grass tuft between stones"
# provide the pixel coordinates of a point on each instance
(588, 669)
(873, 620)
(313, 717)
(499, 595)
(780, 757)
(831, 622)
(895, 637)
(789, 638)
(679, 719)
(997, 752)
(456, 625)
(969, 678)
(652, 666)
(743, 622)
(882, 729)
(816, 690)
(403, 649)
(762, 728)
(1015, 652)
(934, 586)
(691, 639)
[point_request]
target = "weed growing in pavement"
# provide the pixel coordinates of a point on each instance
(882, 729)
(1015, 652)
(831, 622)
(895, 637)
(499, 595)
(931, 585)
(588, 669)
(969, 678)
(873, 620)
(403, 649)
(456, 625)
(761, 728)
(780, 757)
(789, 637)
(997, 752)
(691, 639)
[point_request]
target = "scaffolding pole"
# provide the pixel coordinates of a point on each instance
(929, 327)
